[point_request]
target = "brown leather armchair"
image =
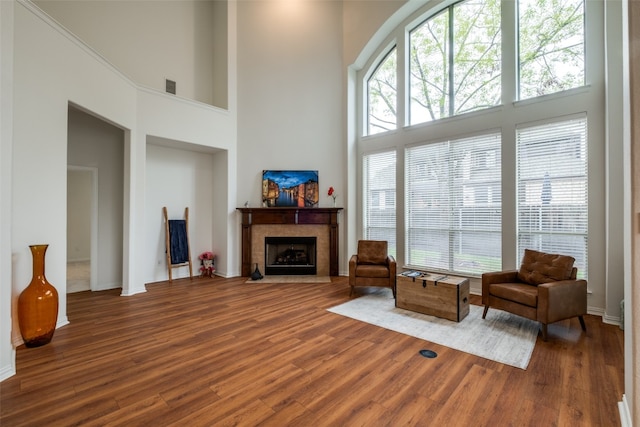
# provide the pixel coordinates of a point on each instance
(544, 289)
(372, 266)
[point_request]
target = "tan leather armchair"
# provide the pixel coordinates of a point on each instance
(372, 266)
(544, 289)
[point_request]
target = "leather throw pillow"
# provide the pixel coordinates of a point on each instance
(539, 267)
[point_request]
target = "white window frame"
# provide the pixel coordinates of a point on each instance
(586, 100)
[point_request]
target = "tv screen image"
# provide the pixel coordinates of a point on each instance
(290, 188)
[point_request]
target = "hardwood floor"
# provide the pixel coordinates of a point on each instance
(223, 352)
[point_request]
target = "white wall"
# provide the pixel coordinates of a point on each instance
(177, 179)
(79, 211)
(362, 19)
(312, 141)
(220, 55)
(615, 159)
(180, 40)
(7, 352)
(630, 406)
(50, 69)
(196, 127)
(365, 25)
(289, 95)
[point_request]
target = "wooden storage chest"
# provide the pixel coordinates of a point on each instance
(434, 294)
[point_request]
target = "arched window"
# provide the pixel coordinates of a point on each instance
(469, 90)
(455, 61)
(382, 96)
(551, 46)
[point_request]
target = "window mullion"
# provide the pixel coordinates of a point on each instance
(451, 59)
(402, 96)
(510, 52)
(451, 209)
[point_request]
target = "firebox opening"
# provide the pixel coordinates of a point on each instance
(290, 255)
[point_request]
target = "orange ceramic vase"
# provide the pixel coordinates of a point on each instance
(38, 304)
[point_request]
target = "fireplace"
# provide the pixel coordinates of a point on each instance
(290, 255)
(260, 223)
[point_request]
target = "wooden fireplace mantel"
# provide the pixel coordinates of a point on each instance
(292, 216)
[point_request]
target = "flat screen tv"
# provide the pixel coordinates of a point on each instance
(290, 188)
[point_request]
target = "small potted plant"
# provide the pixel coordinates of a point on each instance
(206, 261)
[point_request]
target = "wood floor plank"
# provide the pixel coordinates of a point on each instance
(262, 386)
(411, 411)
(287, 415)
(218, 351)
(250, 414)
(532, 413)
(134, 414)
(245, 376)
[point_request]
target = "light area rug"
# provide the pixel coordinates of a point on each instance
(502, 337)
(292, 279)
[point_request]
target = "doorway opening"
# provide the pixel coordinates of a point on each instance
(95, 220)
(82, 228)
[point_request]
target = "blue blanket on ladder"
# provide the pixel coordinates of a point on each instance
(178, 241)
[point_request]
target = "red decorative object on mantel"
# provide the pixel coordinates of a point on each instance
(332, 193)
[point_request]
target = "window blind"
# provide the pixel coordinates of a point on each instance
(553, 189)
(454, 205)
(379, 181)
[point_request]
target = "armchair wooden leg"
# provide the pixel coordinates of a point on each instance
(351, 293)
(484, 314)
(581, 319)
(544, 332)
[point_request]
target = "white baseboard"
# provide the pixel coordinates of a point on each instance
(134, 291)
(62, 322)
(596, 311)
(9, 370)
(611, 320)
(625, 414)
(108, 286)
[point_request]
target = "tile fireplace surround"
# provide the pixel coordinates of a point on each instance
(258, 223)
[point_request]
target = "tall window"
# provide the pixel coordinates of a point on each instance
(552, 189)
(551, 45)
(455, 61)
(379, 172)
(381, 96)
(444, 99)
(454, 205)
